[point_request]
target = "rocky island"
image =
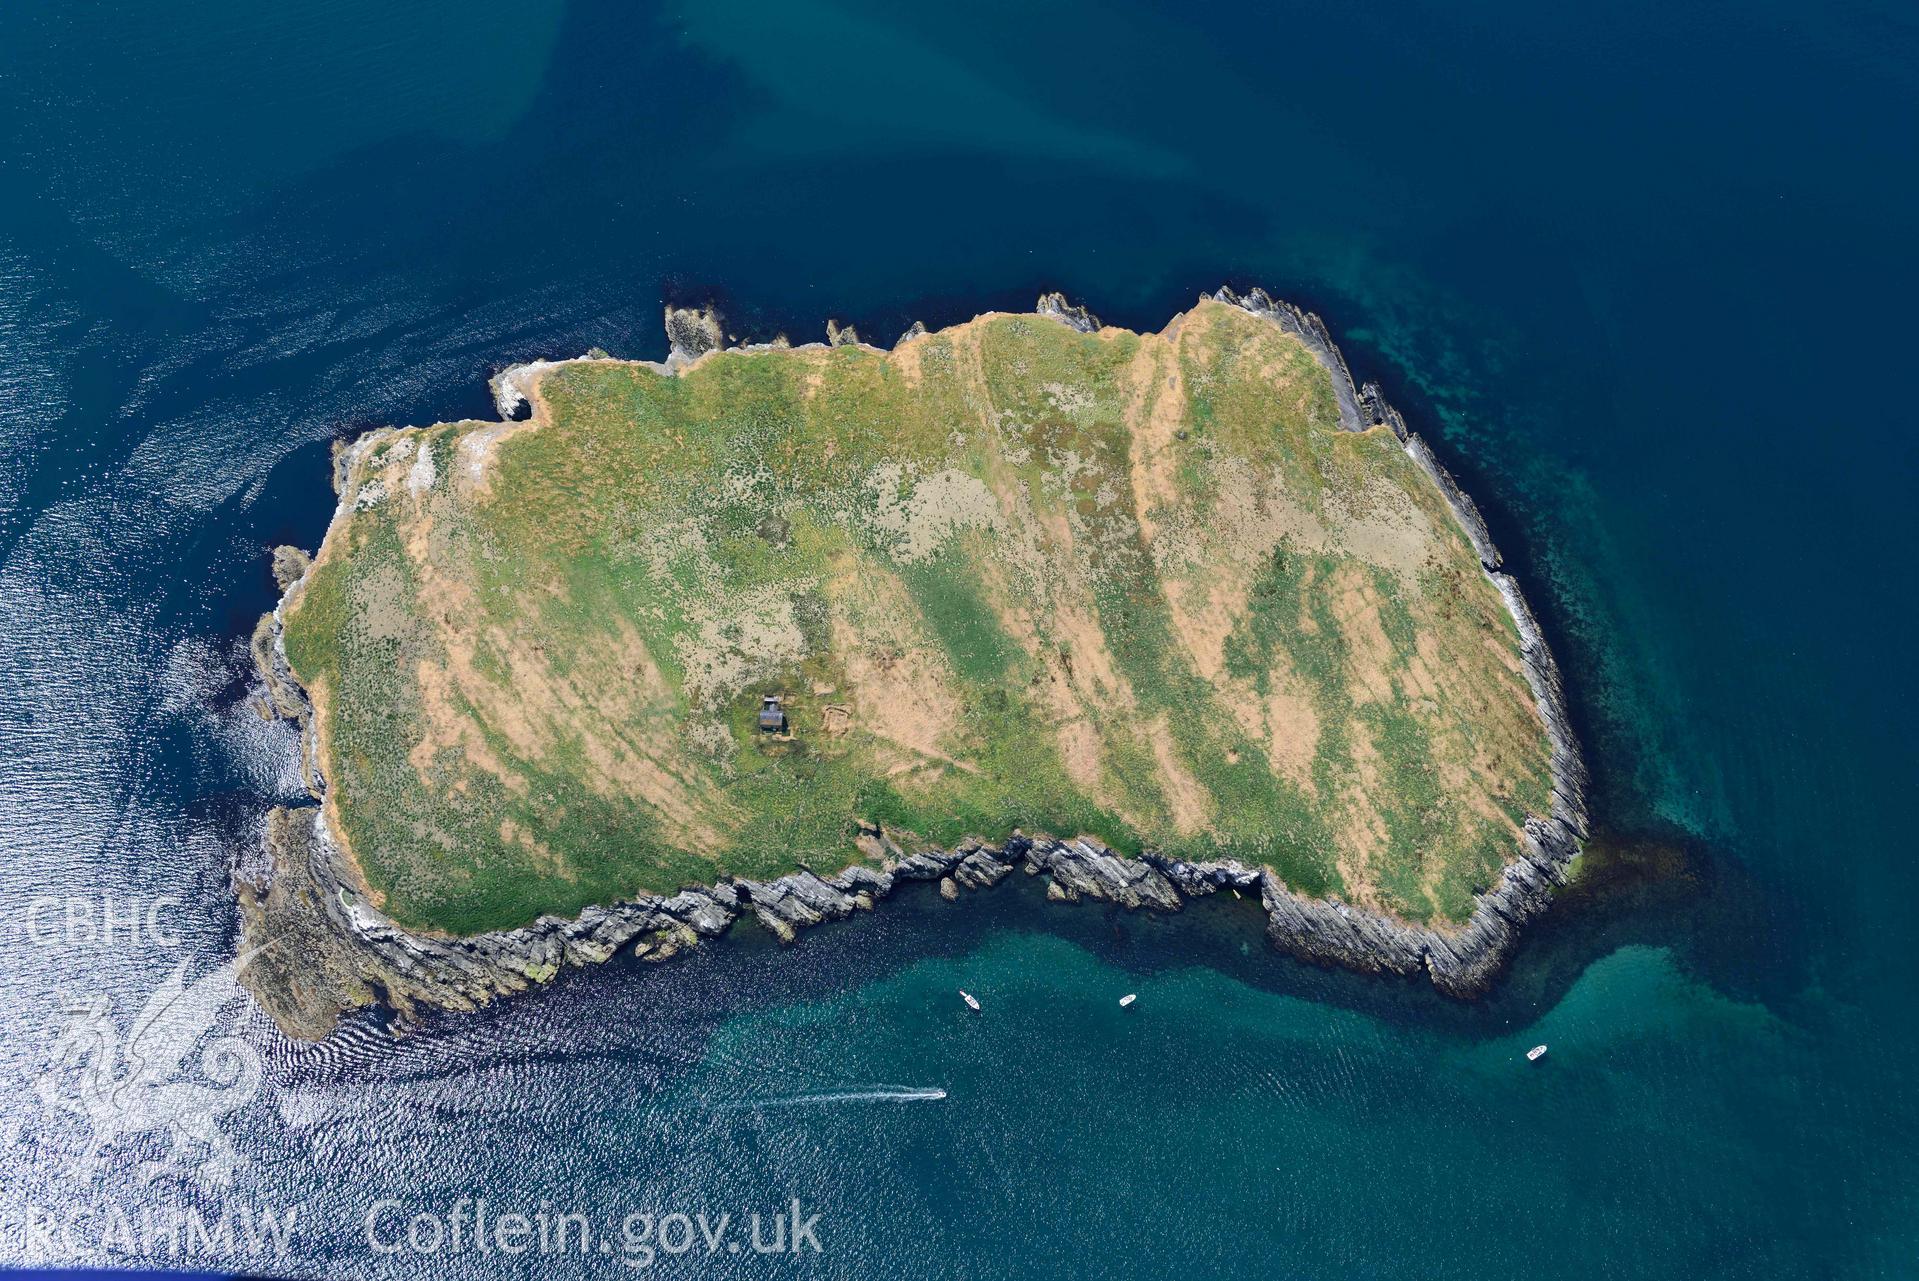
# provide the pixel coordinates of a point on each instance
(768, 630)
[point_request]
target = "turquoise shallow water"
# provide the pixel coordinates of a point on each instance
(1641, 271)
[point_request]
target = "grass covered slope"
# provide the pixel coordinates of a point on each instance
(1007, 576)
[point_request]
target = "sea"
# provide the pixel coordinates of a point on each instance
(1643, 272)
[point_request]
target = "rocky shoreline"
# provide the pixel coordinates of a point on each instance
(320, 950)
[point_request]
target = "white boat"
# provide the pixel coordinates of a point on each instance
(1535, 1054)
(1128, 999)
(972, 1003)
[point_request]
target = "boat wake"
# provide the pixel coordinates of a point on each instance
(878, 1094)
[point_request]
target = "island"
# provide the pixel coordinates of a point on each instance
(767, 630)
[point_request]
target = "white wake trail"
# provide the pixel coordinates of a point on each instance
(877, 1094)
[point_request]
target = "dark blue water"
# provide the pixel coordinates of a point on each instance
(1643, 269)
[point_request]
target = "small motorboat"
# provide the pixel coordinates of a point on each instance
(1535, 1054)
(972, 1002)
(1128, 999)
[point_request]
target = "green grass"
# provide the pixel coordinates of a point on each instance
(948, 593)
(538, 689)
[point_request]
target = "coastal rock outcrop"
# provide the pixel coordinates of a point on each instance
(1074, 316)
(691, 332)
